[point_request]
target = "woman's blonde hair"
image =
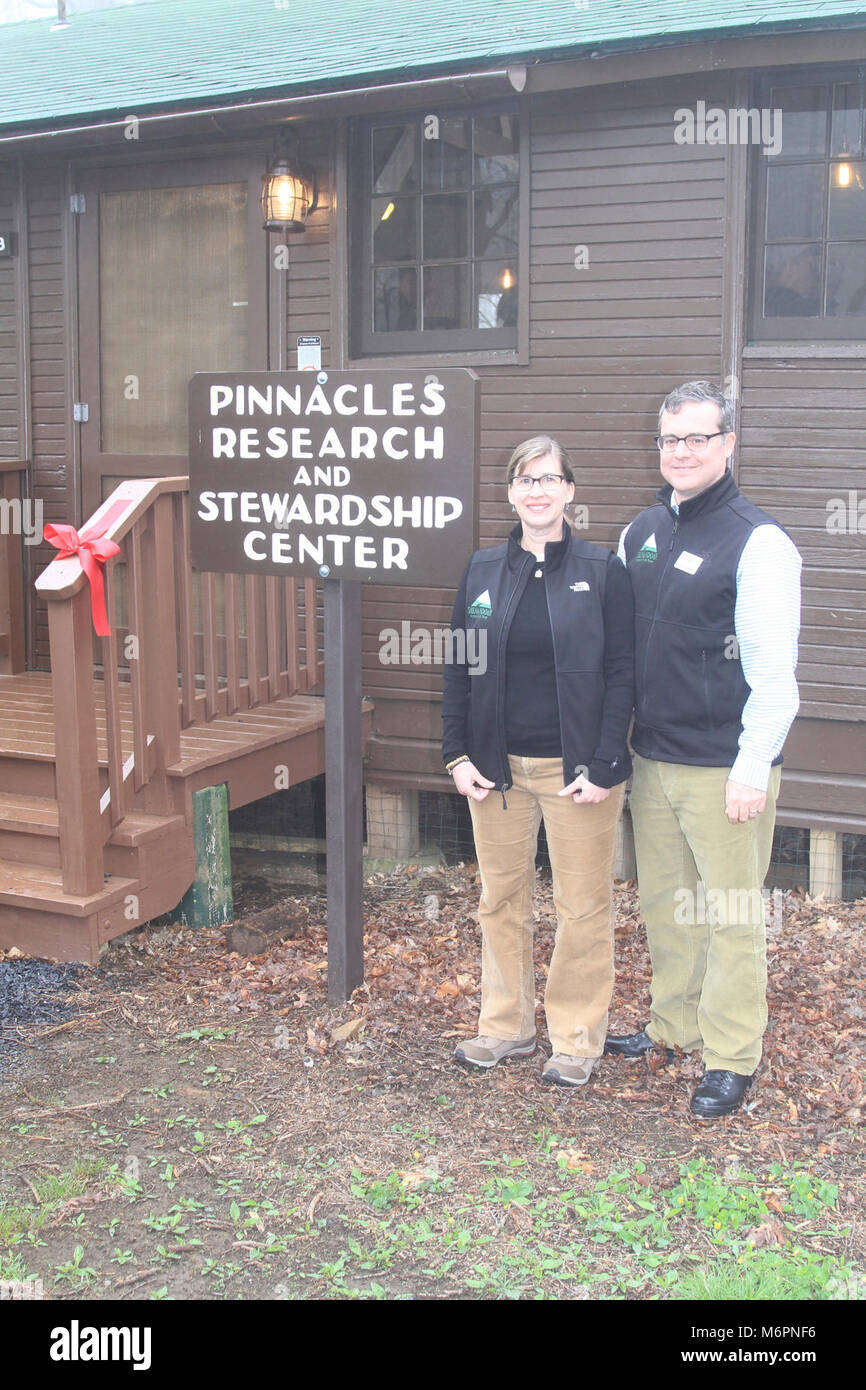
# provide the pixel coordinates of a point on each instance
(536, 448)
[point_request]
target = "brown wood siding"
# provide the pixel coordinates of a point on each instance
(309, 279)
(12, 437)
(801, 445)
(50, 367)
(607, 342)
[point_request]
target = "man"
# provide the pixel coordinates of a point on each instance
(717, 603)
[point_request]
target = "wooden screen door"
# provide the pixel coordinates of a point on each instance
(172, 281)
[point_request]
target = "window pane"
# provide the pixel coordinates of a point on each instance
(496, 158)
(804, 119)
(846, 279)
(496, 222)
(446, 158)
(495, 294)
(173, 301)
(795, 201)
(845, 129)
(791, 283)
(445, 226)
(394, 229)
(394, 163)
(446, 296)
(848, 200)
(395, 299)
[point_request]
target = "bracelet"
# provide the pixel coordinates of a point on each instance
(449, 767)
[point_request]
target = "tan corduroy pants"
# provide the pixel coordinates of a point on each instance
(700, 880)
(581, 843)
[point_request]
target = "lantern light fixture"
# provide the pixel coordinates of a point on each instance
(289, 193)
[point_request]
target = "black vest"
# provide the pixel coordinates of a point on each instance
(690, 684)
(575, 588)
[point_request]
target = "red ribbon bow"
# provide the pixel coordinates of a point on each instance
(93, 548)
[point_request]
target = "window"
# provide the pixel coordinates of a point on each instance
(435, 222)
(809, 262)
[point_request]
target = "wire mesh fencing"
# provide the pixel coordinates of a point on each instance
(424, 825)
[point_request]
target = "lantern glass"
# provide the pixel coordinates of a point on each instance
(287, 197)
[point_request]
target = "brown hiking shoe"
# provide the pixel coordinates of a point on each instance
(568, 1071)
(485, 1052)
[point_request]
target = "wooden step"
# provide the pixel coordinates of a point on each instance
(38, 918)
(29, 829)
(150, 847)
(40, 887)
(34, 815)
(140, 827)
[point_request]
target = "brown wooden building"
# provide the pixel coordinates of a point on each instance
(586, 204)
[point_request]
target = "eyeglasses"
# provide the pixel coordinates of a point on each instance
(668, 442)
(548, 482)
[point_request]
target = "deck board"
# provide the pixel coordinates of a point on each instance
(27, 725)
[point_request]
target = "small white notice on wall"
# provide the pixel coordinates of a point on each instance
(309, 352)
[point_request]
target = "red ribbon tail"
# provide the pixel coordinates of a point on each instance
(93, 569)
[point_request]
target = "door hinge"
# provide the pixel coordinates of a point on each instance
(77, 203)
(80, 412)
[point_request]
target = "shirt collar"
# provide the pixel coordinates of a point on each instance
(553, 550)
(719, 492)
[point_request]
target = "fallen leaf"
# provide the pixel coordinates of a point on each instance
(347, 1030)
(770, 1232)
(415, 1177)
(576, 1161)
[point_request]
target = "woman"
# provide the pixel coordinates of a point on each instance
(537, 728)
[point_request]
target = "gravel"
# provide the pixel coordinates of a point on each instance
(33, 992)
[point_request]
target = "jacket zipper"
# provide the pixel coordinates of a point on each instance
(556, 676)
(658, 600)
(500, 700)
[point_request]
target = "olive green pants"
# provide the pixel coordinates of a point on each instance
(581, 842)
(700, 880)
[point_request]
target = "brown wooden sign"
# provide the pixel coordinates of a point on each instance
(347, 475)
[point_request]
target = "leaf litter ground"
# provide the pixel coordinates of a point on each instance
(204, 1125)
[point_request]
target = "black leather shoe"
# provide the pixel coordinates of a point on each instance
(633, 1045)
(719, 1093)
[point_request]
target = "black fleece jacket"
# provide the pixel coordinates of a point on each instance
(591, 610)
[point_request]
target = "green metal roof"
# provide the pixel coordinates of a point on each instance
(183, 53)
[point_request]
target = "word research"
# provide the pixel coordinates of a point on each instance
(360, 441)
(77, 1343)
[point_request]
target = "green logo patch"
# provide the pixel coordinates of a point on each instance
(648, 552)
(480, 607)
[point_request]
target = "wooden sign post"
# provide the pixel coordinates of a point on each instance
(348, 476)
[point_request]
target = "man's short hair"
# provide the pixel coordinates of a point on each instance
(700, 391)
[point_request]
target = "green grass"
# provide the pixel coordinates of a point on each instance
(541, 1224)
(767, 1275)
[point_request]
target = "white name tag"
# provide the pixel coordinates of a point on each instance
(688, 562)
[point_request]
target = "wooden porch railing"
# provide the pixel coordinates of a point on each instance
(12, 642)
(189, 647)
